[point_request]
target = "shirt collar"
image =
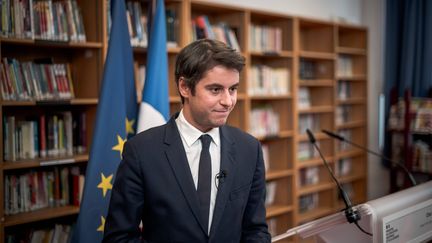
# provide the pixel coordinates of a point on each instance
(191, 134)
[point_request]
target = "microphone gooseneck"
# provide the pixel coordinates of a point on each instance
(402, 166)
(351, 214)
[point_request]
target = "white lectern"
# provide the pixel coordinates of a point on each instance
(405, 216)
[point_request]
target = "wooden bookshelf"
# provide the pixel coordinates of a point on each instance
(291, 52)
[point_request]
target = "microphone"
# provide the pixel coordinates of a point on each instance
(220, 177)
(351, 214)
(402, 166)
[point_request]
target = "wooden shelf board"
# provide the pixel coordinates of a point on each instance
(316, 82)
(315, 213)
(278, 54)
(276, 210)
(270, 97)
(351, 101)
(351, 50)
(84, 101)
(354, 78)
(350, 153)
(281, 134)
(317, 55)
(316, 109)
(323, 186)
(7, 165)
(313, 162)
(351, 178)
(351, 124)
(42, 214)
(51, 43)
(278, 174)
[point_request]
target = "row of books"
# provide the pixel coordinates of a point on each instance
(266, 80)
(56, 135)
(347, 134)
(344, 66)
(264, 121)
(344, 167)
(271, 187)
(420, 115)
(137, 24)
(312, 69)
(308, 176)
(306, 151)
(308, 202)
(343, 90)
(202, 28)
(343, 114)
(308, 121)
(46, 20)
(35, 80)
(58, 233)
(42, 189)
(265, 38)
(304, 98)
(422, 156)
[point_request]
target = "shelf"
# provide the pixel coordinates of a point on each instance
(270, 97)
(88, 101)
(322, 186)
(276, 210)
(351, 101)
(354, 78)
(351, 178)
(350, 153)
(351, 124)
(317, 55)
(316, 82)
(280, 135)
(42, 214)
(351, 51)
(280, 54)
(278, 174)
(315, 213)
(50, 43)
(23, 164)
(316, 109)
(313, 162)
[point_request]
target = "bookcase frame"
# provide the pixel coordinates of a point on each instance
(318, 41)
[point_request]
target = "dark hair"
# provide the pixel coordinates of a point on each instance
(198, 57)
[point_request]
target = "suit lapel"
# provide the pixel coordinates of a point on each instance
(180, 166)
(224, 188)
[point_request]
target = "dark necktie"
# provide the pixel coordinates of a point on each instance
(204, 179)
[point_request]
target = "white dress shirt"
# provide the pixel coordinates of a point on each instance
(192, 145)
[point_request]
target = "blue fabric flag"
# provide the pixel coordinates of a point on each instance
(116, 113)
(154, 108)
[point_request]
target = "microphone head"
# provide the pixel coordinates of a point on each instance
(311, 136)
(333, 135)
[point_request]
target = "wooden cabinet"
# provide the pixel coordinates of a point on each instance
(300, 73)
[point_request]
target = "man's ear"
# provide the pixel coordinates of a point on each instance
(184, 90)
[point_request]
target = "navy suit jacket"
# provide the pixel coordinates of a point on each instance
(154, 185)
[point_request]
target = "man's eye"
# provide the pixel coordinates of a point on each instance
(215, 90)
(232, 89)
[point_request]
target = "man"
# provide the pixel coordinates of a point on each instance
(180, 188)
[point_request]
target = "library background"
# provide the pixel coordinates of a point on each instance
(300, 73)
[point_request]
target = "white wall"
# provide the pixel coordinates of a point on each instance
(348, 10)
(370, 13)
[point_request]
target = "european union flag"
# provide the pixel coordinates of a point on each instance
(154, 108)
(116, 114)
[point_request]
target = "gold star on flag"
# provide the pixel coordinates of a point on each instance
(119, 146)
(129, 126)
(105, 184)
(102, 226)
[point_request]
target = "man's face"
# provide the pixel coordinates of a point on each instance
(215, 97)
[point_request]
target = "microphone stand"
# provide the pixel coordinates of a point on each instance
(351, 215)
(402, 166)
